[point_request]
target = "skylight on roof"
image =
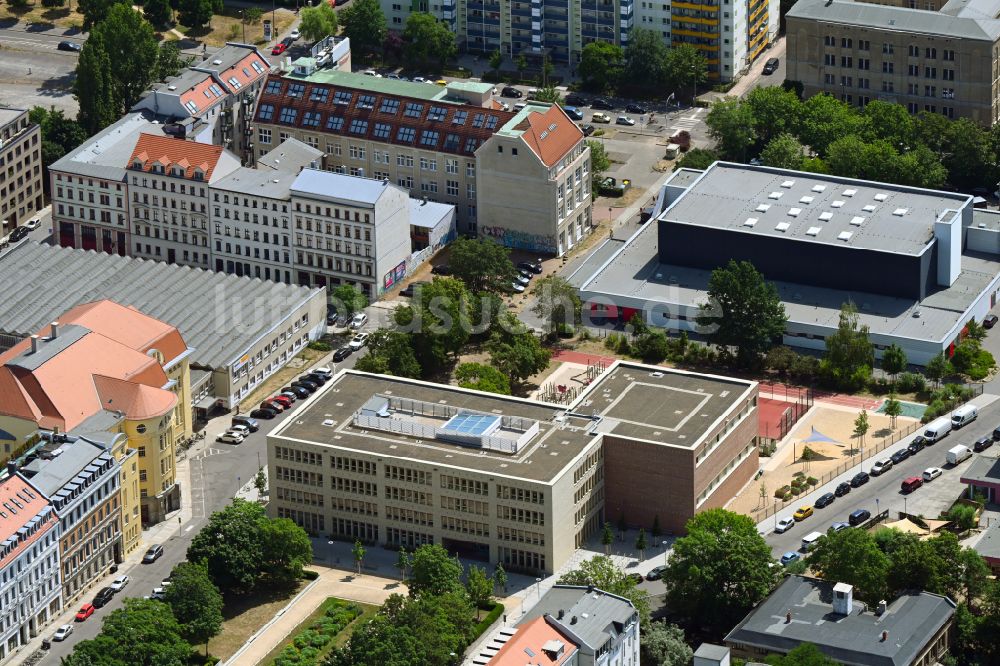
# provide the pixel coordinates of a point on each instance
(837, 204)
(762, 208)
(881, 197)
(857, 221)
(826, 216)
(844, 235)
(813, 231)
(775, 195)
(818, 188)
(782, 226)
(806, 200)
(868, 208)
(850, 193)
(900, 212)
(750, 222)
(787, 184)
(794, 212)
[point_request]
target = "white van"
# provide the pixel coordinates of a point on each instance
(964, 415)
(809, 540)
(937, 429)
(957, 454)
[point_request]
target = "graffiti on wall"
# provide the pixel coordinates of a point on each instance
(394, 276)
(520, 240)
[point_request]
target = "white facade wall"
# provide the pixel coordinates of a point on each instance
(251, 235)
(30, 591)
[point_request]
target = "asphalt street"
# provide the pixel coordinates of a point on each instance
(883, 492)
(32, 70)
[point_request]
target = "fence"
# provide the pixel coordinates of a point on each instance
(799, 401)
(866, 453)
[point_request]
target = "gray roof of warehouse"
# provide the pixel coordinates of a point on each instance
(42, 281)
(911, 620)
(970, 19)
(598, 615)
(727, 195)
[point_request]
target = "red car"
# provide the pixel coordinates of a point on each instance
(279, 48)
(282, 400)
(85, 611)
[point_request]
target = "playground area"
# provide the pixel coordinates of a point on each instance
(569, 379)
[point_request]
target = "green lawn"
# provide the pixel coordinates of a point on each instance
(367, 612)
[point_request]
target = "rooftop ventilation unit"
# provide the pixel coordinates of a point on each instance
(762, 208)
(750, 222)
(845, 235)
(813, 231)
(775, 195)
(899, 212)
(782, 226)
(850, 193)
(818, 188)
(870, 208)
(794, 212)
(881, 197)
(806, 200)
(826, 216)
(857, 221)
(788, 184)
(838, 204)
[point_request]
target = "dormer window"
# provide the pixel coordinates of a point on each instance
(137, 164)
(198, 174)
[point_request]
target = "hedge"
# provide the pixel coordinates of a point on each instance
(490, 618)
(307, 646)
(309, 574)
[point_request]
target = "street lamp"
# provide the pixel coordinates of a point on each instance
(329, 552)
(694, 83)
(664, 543)
(538, 585)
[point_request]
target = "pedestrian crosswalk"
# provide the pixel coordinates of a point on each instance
(688, 121)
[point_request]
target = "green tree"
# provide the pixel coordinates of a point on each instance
(607, 538)
(482, 377)
(436, 322)
(53, 4)
(663, 644)
(170, 61)
(434, 571)
(158, 13)
(318, 22)
(915, 566)
(557, 303)
(852, 557)
(645, 61)
(719, 570)
(133, 52)
(731, 124)
(890, 122)
(195, 602)
(428, 41)
(600, 66)
(500, 578)
(850, 355)
(479, 587)
(197, 13)
(697, 158)
(94, 87)
(390, 353)
(969, 157)
(744, 311)
(253, 16)
(686, 69)
(364, 24)
(549, 94)
(938, 368)
(347, 299)
(653, 347)
(358, 552)
(825, 119)
(286, 548)
(522, 64)
(231, 545)
(143, 632)
(59, 136)
(641, 544)
(922, 168)
(601, 572)
(775, 111)
(402, 562)
(893, 408)
(804, 654)
(894, 360)
(482, 264)
(496, 61)
(260, 482)
(95, 11)
(783, 151)
(861, 427)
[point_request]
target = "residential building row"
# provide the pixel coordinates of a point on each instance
(401, 462)
(938, 56)
(732, 34)
(21, 194)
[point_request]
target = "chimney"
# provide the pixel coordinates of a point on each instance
(11, 467)
(843, 599)
(573, 620)
(885, 636)
(881, 607)
(34, 344)
(55, 330)
(562, 613)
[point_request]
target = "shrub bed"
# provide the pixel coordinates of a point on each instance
(308, 645)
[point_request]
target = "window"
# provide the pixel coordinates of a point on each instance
(413, 110)
(335, 123)
(256, 67)
(887, 86)
(930, 72)
(948, 55)
(470, 145)
(191, 106)
(477, 120)
(437, 113)
(382, 130)
(406, 134)
(359, 126)
(273, 87)
(864, 63)
(886, 49)
(451, 187)
(389, 106)
(829, 40)
(930, 52)
(829, 60)
(864, 45)
(429, 138)
(366, 102)
(318, 94)
(846, 43)
(263, 135)
(914, 51)
(266, 111)
(288, 115)
(296, 90)
(342, 97)
(311, 119)
(913, 70)
(460, 117)
(846, 61)
(404, 160)
(491, 122)
(948, 74)
(887, 68)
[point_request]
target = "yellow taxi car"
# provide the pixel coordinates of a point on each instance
(802, 513)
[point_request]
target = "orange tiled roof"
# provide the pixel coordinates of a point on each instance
(128, 326)
(14, 487)
(533, 636)
(169, 151)
(550, 135)
(244, 71)
(136, 400)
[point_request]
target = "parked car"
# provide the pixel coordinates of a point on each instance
(932, 473)
(63, 632)
(802, 512)
(587, 129)
(880, 467)
(573, 112)
(510, 91)
(69, 46)
(918, 443)
(118, 584)
(517, 288)
(601, 103)
(342, 353)
(636, 108)
(103, 596)
(825, 500)
(789, 557)
(229, 438)
(19, 234)
(858, 517)
(158, 593)
(600, 118)
(33, 223)
(982, 444)
(359, 320)
(537, 269)
(836, 527)
(784, 525)
(273, 405)
(990, 321)
(153, 553)
(771, 66)
(295, 34)
(842, 489)
(408, 291)
(911, 483)
(859, 479)
(358, 341)
(331, 319)
(624, 120)
(343, 320)
(323, 370)
(309, 387)
(317, 377)
(996, 433)
(248, 421)
(899, 456)
(298, 391)
(522, 280)
(573, 99)
(636, 577)
(265, 413)
(288, 395)
(85, 611)
(279, 48)
(656, 573)
(441, 269)
(239, 428)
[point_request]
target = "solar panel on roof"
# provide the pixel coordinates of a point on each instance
(468, 423)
